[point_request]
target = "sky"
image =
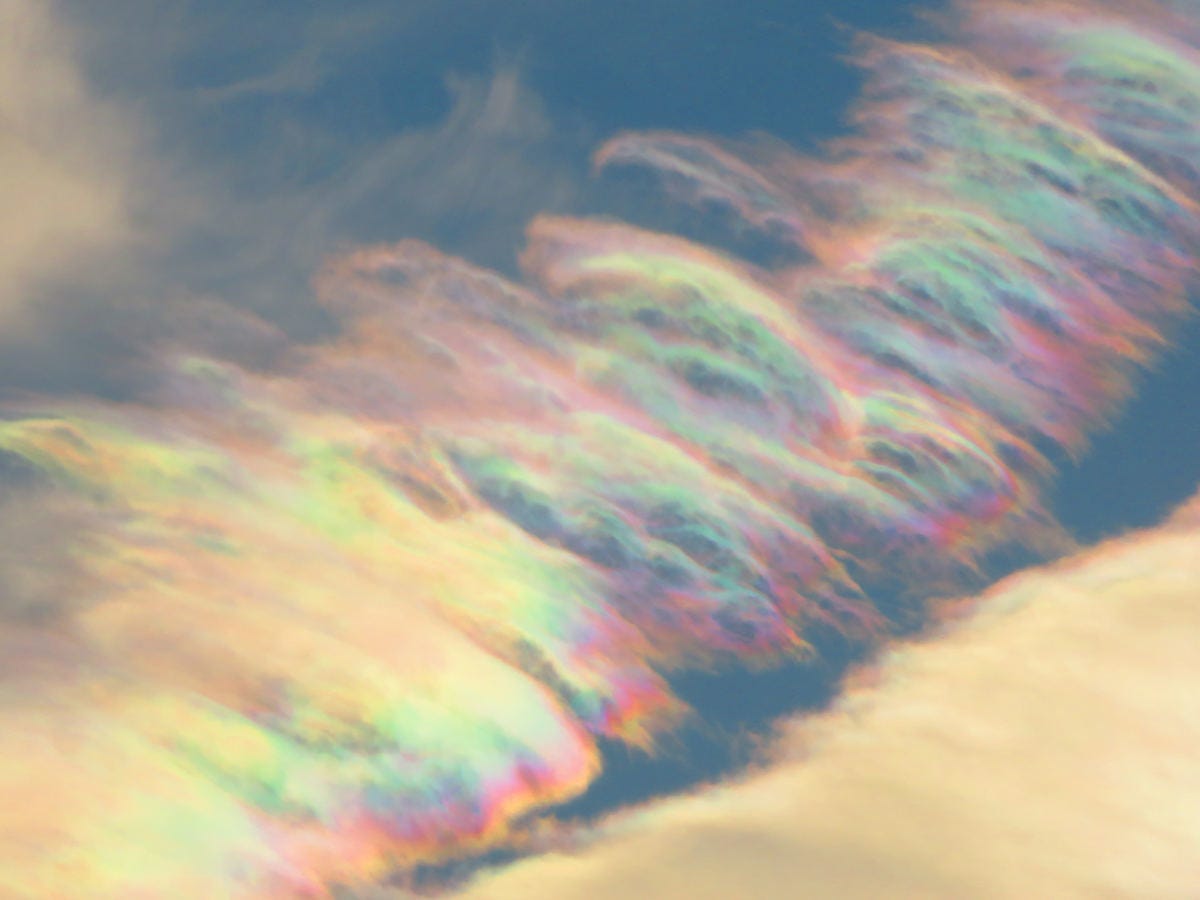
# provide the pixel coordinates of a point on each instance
(634, 447)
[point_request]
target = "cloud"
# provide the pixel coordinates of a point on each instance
(64, 161)
(366, 599)
(255, 233)
(1042, 745)
(469, 182)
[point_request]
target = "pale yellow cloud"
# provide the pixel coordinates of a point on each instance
(1044, 747)
(64, 185)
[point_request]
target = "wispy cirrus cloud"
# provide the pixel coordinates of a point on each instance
(168, 173)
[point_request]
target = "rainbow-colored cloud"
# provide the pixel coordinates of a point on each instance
(377, 606)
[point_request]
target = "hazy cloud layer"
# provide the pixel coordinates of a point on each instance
(65, 173)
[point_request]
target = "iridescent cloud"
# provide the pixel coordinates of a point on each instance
(379, 605)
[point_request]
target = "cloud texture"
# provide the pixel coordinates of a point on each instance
(314, 623)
